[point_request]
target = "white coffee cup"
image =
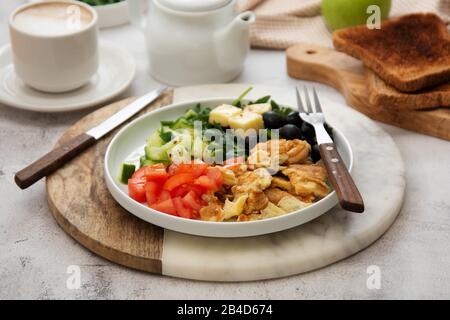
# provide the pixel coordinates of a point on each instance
(54, 44)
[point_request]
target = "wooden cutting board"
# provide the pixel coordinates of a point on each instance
(348, 75)
(84, 208)
(81, 204)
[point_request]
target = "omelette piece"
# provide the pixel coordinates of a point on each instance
(234, 208)
(308, 179)
(284, 151)
(253, 184)
(282, 183)
(291, 203)
(275, 194)
(285, 200)
(213, 211)
(229, 177)
(272, 211)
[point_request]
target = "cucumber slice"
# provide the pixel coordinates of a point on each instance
(165, 133)
(126, 171)
(155, 140)
(145, 162)
(181, 123)
(156, 154)
(190, 114)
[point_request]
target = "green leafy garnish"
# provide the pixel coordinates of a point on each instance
(165, 136)
(237, 102)
(264, 99)
(281, 110)
(100, 2)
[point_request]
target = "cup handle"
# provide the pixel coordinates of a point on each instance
(136, 10)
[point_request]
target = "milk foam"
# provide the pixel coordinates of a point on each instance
(52, 19)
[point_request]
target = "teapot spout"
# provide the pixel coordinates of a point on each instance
(242, 22)
(232, 41)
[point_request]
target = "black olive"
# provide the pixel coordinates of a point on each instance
(307, 131)
(294, 118)
(273, 120)
(312, 140)
(290, 132)
(315, 153)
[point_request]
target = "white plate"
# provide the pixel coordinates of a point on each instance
(115, 73)
(133, 136)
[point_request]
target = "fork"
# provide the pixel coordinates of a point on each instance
(349, 197)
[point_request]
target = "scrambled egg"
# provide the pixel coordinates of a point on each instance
(251, 193)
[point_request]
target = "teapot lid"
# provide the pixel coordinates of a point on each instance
(194, 5)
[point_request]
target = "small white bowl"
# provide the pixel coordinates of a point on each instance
(111, 15)
(133, 136)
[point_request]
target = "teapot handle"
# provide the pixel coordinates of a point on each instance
(137, 9)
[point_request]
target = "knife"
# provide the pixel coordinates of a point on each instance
(59, 156)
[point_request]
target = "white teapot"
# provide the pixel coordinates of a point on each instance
(194, 41)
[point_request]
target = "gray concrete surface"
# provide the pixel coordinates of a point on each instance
(413, 256)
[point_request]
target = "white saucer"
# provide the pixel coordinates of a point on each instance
(116, 72)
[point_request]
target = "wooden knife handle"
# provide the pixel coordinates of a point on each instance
(53, 160)
(349, 197)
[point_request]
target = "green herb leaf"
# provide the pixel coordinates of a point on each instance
(264, 99)
(237, 102)
(165, 136)
(281, 110)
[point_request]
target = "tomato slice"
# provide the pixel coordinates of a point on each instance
(172, 169)
(164, 195)
(152, 190)
(139, 174)
(156, 172)
(182, 210)
(194, 168)
(136, 189)
(207, 184)
(215, 174)
(166, 206)
(191, 200)
(178, 180)
(184, 189)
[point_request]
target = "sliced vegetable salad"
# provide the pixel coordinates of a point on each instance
(190, 162)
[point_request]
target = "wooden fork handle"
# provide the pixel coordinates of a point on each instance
(349, 197)
(53, 160)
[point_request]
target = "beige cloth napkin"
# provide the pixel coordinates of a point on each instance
(282, 23)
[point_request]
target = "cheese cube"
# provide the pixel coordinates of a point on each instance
(222, 113)
(259, 108)
(246, 120)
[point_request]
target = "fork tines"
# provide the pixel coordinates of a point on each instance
(310, 107)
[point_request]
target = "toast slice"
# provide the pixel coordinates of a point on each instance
(382, 94)
(410, 53)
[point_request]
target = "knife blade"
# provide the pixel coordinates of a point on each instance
(67, 151)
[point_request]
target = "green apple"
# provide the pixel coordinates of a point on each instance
(340, 14)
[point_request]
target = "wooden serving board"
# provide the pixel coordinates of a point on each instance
(348, 75)
(81, 204)
(83, 207)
